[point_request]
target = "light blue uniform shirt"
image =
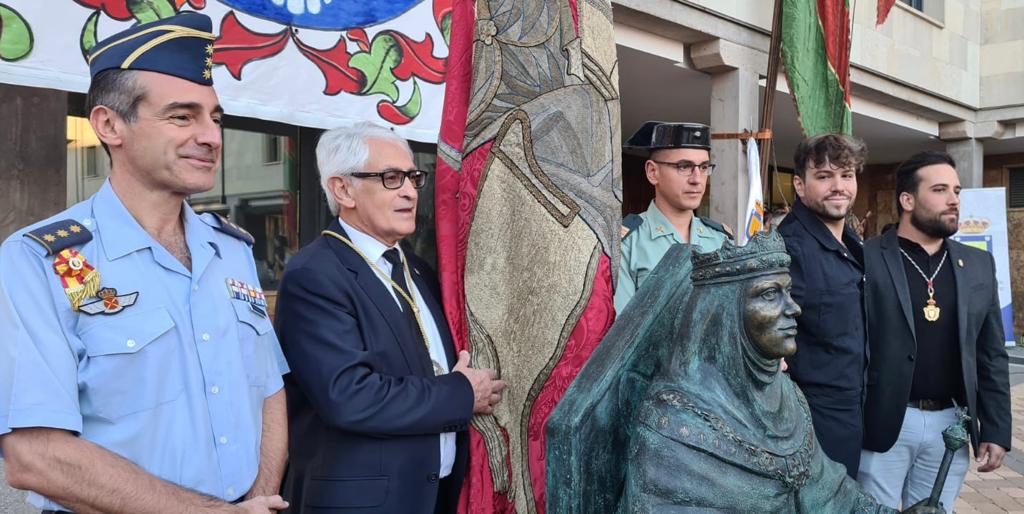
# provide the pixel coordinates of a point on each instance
(174, 383)
(643, 248)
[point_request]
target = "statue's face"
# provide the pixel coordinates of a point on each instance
(769, 315)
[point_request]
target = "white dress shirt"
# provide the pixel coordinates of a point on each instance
(374, 250)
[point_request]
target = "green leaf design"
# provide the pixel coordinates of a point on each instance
(146, 11)
(412, 107)
(446, 28)
(378, 65)
(89, 39)
(15, 35)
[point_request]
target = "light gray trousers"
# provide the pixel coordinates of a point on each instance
(906, 473)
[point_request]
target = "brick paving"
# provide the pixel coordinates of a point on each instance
(1001, 491)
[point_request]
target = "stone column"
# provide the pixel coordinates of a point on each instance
(963, 143)
(968, 154)
(735, 107)
(33, 162)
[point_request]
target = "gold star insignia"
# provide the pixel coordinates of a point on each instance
(207, 74)
(209, 49)
(75, 228)
(49, 238)
(62, 233)
(209, 62)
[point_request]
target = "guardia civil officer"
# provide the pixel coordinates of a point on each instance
(139, 371)
(678, 166)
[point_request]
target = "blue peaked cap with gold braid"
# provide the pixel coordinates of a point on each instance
(180, 46)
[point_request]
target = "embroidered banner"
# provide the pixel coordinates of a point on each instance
(528, 205)
(315, 63)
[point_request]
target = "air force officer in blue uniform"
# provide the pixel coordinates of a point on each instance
(378, 401)
(138, 368)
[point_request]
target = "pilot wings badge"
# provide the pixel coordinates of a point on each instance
(110, 302)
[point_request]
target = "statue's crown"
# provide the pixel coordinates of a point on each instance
(764, 253)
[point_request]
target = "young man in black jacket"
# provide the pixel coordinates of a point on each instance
(828, 274)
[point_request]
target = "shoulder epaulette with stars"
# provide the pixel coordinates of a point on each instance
(226, 226)
(60, 235)
(630, 223)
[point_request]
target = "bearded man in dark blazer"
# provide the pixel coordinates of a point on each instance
(378, 401)
(936, 341)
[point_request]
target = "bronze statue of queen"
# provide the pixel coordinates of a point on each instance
(709, 422)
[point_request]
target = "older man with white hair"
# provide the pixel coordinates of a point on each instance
(379, 403)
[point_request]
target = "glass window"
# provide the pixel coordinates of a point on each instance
(424, 240)
(271, 149)
(88, 164)
(259, 195)
(1015, 191)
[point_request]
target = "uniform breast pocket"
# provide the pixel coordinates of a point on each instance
(641, 276)
(252, 327)
(133, 364)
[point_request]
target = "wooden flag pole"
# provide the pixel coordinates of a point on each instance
(768, 106)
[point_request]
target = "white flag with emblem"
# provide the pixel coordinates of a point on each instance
(755, 202)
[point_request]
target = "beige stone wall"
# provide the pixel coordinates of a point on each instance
(939, 54)
(752, 12)
(1002, 53)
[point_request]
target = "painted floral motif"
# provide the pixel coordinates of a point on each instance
(15, 35)
(374, 67)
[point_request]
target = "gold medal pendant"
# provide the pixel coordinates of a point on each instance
(931, 311)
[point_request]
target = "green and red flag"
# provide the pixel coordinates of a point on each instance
(816, 53)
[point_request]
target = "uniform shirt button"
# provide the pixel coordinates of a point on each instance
(910, 357)
(130, 343)
(214, 389)
(195, 287)
(87, 222)
(432, 477)
(206, 337)
(222, 440)
(230, 491)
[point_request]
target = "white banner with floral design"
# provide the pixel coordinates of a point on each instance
(313, 63)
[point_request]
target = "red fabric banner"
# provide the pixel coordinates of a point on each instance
(479, 173)
(835, 30)
(884, 6)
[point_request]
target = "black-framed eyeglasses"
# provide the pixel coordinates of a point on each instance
(394, 179)
(685, 168)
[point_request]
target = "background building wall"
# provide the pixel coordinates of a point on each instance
(938, 54)
(1002, 53)
(33, 183)
(997, 175)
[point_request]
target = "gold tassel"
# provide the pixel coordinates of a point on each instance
(90, 286)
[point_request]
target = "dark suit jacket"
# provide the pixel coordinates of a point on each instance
(364, 406)
(893, 344)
